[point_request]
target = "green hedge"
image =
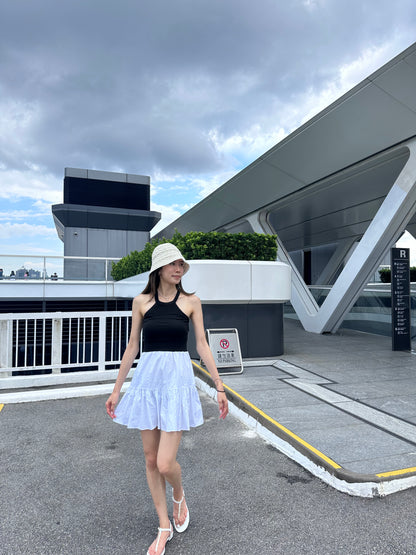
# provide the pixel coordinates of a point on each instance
(385, 274)
(197, 245)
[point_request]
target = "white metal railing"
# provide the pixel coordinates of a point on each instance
(61, 342)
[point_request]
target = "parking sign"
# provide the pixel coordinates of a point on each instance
(225, 347)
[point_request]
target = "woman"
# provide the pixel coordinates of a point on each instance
(162, 399)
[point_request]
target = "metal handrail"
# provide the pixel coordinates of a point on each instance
(39, 343)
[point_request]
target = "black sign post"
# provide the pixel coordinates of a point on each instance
(400, 299)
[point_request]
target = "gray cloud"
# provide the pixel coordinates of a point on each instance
(138, 86)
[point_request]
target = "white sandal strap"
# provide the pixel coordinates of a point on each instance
(183, 497)
(159, 534)
(179, 503)
(165, 529)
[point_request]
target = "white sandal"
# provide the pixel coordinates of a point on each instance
(159, 534)
(181, 527)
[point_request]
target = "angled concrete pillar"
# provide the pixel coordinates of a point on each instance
(302, 299)
(389, 222)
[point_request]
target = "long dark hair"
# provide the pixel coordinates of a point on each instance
(153, 284)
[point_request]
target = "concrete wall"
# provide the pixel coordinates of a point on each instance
(107, 243)
(260, 327)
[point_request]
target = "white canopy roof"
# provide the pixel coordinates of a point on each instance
(327, 179)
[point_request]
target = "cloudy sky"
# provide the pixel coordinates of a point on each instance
(186, 91)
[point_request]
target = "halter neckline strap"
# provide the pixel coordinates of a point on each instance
(167, 302)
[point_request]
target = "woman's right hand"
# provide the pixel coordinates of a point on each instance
(111, 403)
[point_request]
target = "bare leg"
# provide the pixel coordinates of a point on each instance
(160, 450)
(155, 480)
(170, 468)
(157, 485)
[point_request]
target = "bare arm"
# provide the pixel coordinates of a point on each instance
(204, 352)
(128, 357)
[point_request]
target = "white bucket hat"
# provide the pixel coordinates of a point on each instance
(165, 254)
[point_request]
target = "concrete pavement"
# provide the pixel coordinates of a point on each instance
(343, 406)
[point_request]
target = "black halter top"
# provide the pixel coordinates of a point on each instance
(165, 327)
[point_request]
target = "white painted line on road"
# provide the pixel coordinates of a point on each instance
(258, 363)
(55, 393)
(310, 384)
(45, 380)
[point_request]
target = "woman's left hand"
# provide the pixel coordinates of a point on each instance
(223, 405)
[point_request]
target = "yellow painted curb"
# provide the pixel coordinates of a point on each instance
(397, 472)
(275, 423)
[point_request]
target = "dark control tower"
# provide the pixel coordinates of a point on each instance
(104, 214)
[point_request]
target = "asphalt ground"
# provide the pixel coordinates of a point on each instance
(343, 406)
(73, 482)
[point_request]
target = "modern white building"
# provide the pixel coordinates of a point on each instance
(338, 192)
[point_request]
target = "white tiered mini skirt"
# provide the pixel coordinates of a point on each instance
(162, 394)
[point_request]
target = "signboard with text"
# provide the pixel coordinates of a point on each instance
(225, 348)
(400, 299)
